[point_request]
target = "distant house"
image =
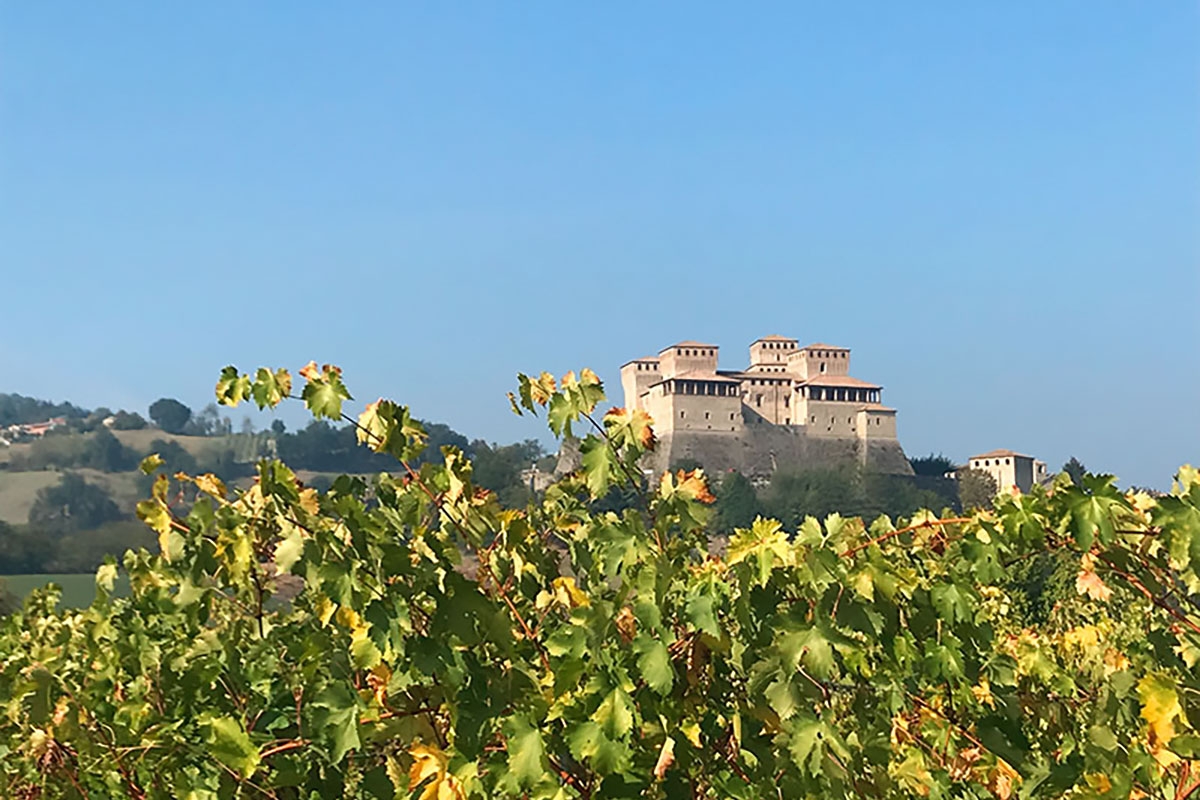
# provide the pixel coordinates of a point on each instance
(1010, 470)
(32, 430)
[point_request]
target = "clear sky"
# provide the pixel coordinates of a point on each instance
(997, 206)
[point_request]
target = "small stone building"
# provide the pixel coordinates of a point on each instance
(1010, 469)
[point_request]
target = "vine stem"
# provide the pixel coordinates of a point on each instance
(929, 523)
(1136, 583)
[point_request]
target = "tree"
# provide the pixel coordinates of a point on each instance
(976, 489)
(170, 414)
(104, 452)
(737, 503)
(437, 644)
(128, 421)
(1076, 470)
(793, 496)
(278, 427)
(23, 551)
(935, 465)
(72, 504)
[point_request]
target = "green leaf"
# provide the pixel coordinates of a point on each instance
(953, 603)
(1091, 515)
(700, 611)
(229, 743)
(526, 752)
(270, 388)
(335, 714)
(324, 392)
(615, 714)
(150, 463)
(289, 550)
(807, 745)
(809, 647)
(587, 742)
(655, 663)
(597, 465)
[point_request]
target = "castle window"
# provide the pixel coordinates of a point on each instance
(682, 414)
(787, 420)
(758, 400)
(731, 416)
(814, 417)
(707, 415)
(822, 366)
(1006, 462)
(785, 401)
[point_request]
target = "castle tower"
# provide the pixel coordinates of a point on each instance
(818, 359)
(637, 377)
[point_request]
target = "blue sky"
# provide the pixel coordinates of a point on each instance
(997, 206)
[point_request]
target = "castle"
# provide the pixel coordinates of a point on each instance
(793, 407)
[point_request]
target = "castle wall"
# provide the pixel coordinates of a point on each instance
(694, 412)
(770, 397)
(877, 424)
(760, 451)
(830, 418)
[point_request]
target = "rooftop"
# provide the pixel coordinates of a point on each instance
(701, 375)
(775, 337)
(838, 380)
(1001, 454)
(823, 346)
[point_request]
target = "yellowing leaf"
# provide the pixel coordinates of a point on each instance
(309, 371)
(666, 757)
(1089, 583)
(1160, 709)
(568, 594)
(325, 609)
(1002, 779)
(310, 501)
(429, 769)
(694, 485)
(211, 485)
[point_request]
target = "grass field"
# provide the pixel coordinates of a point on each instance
(78, 590)
(18, 490)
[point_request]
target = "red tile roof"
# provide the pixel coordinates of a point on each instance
(838, 380)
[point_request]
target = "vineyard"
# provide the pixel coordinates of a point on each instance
(432, 643)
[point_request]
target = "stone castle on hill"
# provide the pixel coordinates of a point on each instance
(793, 407)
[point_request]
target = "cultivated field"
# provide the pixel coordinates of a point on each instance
(78, 590)
(18, 490)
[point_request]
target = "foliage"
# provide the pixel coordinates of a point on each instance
(446, 647)
(103, 451)
(128, 421)
(17, 409)
(208, 422)
(935, 465)
(72, 504)
(170, 414)
(23, 550)
(976, 489)
(9, 602)
(737, 503)
(1076, 470)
